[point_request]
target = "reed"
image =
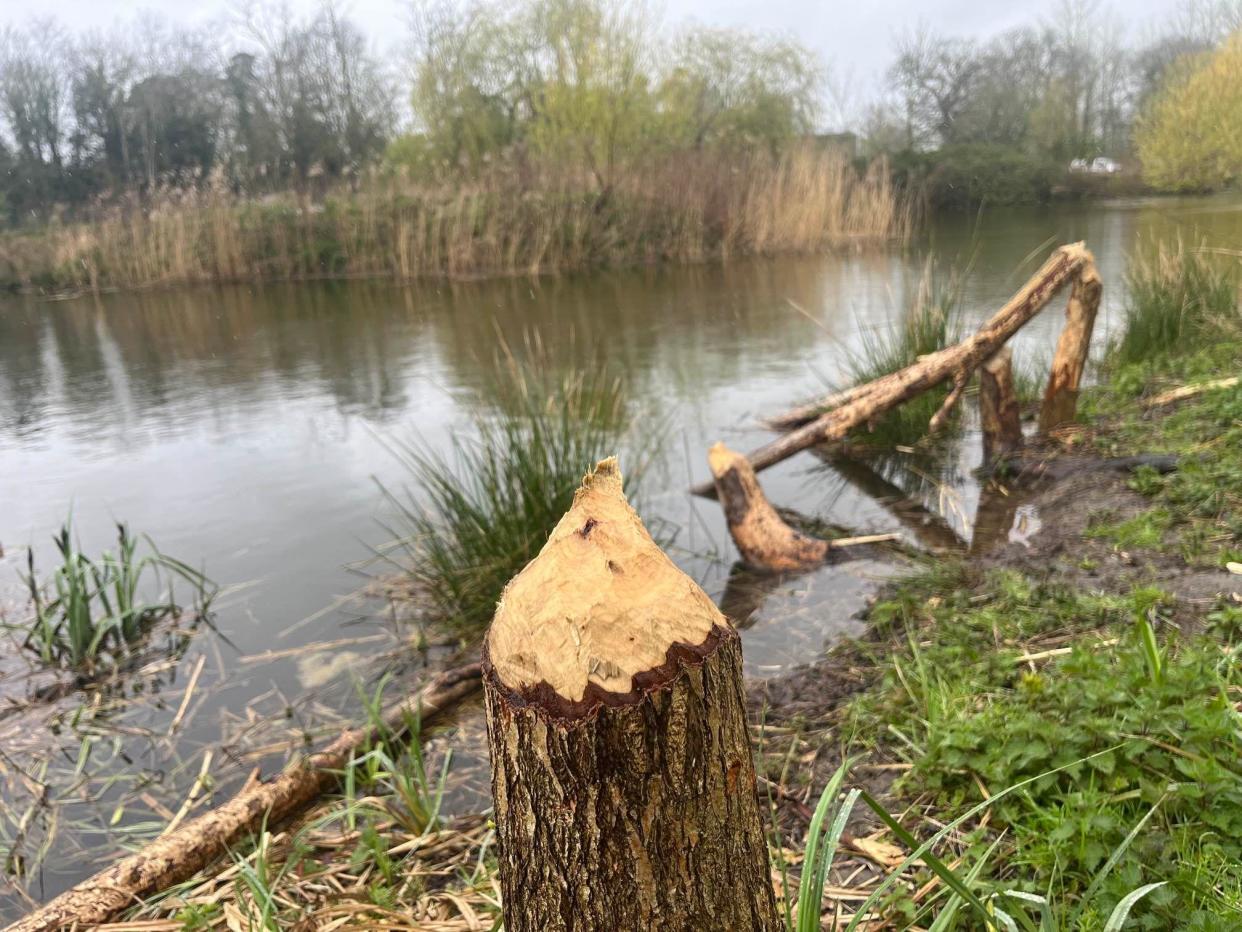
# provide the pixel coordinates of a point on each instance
(480, 512)
(929, 322)
(682, 207)
(88, 613)
(1177, 299)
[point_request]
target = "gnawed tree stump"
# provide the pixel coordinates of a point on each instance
(762, 537)
(622, 779)
(1073, 346)
(1000, 415)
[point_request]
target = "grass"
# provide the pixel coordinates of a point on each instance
(1126, 754)
(685, 207)
(929, 322)
(89, 613)
(1196, 510)
(1176, 300)
(474, 516)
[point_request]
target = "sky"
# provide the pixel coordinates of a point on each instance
(854, 37)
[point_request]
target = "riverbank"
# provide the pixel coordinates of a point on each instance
(687, 207)
(1065, 703)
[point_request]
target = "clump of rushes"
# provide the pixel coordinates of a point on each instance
(89, 613)
(478, 513)
(1177, 300)
(930, 322)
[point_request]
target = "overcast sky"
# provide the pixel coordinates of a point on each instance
(854, 37)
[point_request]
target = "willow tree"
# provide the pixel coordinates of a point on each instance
(1190, 138)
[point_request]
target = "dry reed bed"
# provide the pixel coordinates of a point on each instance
(689, 207)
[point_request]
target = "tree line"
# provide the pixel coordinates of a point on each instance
(1009, 113)
(146, 106)
(598, 85)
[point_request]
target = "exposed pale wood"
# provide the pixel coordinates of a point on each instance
(624, 798)
(1188, 391)
(804, 414)
(860, 540)
(1073, 346)
(999, 412)
(543, 633)
(762, 537)
(957, 361)
(938, 420)
(179, 855)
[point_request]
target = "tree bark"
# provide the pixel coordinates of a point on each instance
(956, 362)
(762, 537)
(1061, 396)
(181, 854)
(622, 780)
(999, 412)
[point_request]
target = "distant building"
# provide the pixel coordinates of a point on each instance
(1100, 165)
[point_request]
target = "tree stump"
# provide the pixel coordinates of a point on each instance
(762, 537)
(622, 779)
(999, 412)
(1061, 396)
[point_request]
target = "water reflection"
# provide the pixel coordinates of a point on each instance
(242, 426)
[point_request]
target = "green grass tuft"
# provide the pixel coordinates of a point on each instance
(474, 516)
(928, 323)
(1177, 300)
(89, 613)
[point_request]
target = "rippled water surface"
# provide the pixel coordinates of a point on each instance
(244, 429)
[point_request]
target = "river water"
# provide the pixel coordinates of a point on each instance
(245, 428)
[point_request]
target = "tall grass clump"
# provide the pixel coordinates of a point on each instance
(473, 516)
(930, 322)
(1177, 300)
(89, 613)
(511, 219)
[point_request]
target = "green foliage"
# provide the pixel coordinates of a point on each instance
(483, 511)
(1191, 136)
(258, 878)
(929, 322)
(88, 614)
(1144, 531)
(198, 917)
(822, 837)
(1139, 735)
(970, 175)
(1176, 300)
(590, 83)
(1196, 508)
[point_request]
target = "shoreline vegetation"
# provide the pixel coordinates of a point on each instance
(684, 207)
(555, 135)
(1043, 731)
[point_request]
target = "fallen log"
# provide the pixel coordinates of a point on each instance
(1188, 391)
(1073, 346)
(762, 537)
(1000, 415)
(622, 779)
(179, 855)
(954, 362)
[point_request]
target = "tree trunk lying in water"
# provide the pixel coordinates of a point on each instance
(762, 537)
(176, 857)
(871, 401)
(622, 778)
